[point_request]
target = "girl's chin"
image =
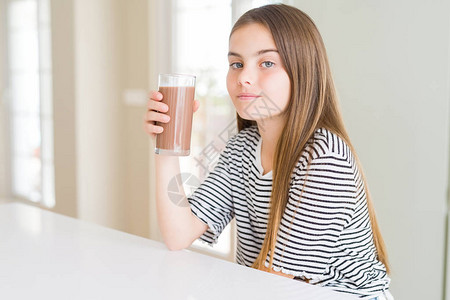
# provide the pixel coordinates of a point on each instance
(246, 116)
(248, 113)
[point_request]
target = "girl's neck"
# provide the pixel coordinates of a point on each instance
(270, 131)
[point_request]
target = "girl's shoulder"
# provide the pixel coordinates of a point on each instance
(325, 151)
(327, 143)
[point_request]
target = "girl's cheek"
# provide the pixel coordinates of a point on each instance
(229, 75)
(228, 80)
(231, 80)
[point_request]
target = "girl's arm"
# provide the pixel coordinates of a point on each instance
(178, 226)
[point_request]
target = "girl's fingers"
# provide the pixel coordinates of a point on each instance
(153, 129)
(196, 105)
(158, 106)
(156, 113)
(153, 116)
(155, 95)
(154, 102)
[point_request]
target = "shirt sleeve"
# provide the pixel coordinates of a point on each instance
(321, 203)
(212, 200)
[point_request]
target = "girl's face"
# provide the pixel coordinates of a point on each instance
(257, 82)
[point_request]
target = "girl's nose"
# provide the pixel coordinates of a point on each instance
(245, 77)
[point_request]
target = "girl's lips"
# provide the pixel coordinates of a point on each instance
(248, 96)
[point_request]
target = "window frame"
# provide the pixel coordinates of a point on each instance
(47, 168)
(5, 153)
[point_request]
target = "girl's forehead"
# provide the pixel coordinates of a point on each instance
(251, 28)
(251, 36)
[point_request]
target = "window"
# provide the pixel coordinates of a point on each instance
(29, 100)
(199, 46)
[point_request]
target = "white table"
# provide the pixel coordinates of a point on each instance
(44, 255)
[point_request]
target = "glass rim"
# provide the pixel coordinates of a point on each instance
(177, 75)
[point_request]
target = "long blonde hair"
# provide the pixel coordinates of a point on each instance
(313, 105)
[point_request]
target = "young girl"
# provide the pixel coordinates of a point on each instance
(290, 177)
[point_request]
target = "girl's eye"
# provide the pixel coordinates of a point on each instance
(236, 65)
(267, 64)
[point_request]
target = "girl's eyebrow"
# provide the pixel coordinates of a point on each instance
(260, 52)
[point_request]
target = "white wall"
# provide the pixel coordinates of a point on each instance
(390, 61)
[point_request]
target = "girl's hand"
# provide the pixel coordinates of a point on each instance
(157, 112)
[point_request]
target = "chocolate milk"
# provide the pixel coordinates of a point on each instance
(176, 137)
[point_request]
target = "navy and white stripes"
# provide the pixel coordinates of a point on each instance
(325, 234)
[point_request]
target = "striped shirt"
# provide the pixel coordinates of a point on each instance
(325, 234)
